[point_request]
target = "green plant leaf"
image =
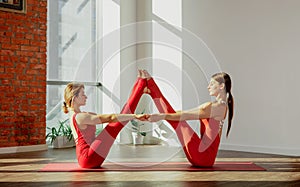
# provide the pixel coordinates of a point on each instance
(143, 133)
(64, 129)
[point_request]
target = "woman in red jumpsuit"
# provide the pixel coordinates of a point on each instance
(200, 151)
(92, 150)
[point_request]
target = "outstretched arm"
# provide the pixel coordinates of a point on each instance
(206, 110)
(203, 111)
(93, 119)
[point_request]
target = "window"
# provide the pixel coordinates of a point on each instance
(75, 47)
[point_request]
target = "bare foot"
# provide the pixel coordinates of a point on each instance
(146, 74)
(140, 73)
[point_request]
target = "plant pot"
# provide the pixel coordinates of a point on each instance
(151, 140)
(137, 138)
(63, 142)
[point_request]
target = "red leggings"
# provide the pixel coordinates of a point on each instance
(92, 152)
(199, 151)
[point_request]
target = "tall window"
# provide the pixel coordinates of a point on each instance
(75, 45)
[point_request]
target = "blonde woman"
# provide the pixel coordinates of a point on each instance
(91, 151)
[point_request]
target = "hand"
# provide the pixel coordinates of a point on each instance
(156, 117)
(142, 117)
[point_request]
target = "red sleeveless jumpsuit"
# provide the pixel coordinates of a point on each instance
(200, 152)
(91, 151)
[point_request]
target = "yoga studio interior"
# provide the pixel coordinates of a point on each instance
(102, 44)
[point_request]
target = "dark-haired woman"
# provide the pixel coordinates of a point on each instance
(200, 151)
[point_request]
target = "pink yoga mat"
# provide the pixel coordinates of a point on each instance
(146, 166)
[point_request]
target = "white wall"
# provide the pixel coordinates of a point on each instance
(257, 42)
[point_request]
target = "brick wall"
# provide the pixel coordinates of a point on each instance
(23, 75)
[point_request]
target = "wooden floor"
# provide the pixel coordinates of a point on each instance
(21, 169)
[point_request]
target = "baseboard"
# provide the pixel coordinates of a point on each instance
(20, 149)
(261, 149)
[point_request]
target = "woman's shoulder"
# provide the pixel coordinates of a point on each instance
(206, 105)
(218, 104)
(79, 118)
(211, 104)
(83, 114)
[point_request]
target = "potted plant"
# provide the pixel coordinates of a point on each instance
(137, 134)
(61, 136)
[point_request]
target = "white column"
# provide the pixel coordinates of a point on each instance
(128, 57)
(144, 54)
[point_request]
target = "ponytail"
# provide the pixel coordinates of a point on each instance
(65, 108)
(223, 77)
(230, 111)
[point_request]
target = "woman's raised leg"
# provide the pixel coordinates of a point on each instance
(100, 147)
(190, 141)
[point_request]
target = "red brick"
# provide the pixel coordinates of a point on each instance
(31, 3)
(37, 66)
(43, 26)
(38, 43)
(22, 89)
(8, 64)
(20, 41)
(21, 139)
(11, 70)
(10, 46)
(23, 45)
(23, 78)
(25, 53)
(16, 95)
(6, 113)
(36, 102)
(43, 37)
(40, 78)
(43, 60)
(31, 95)
(15, 22)
(19, 17)
(4, 27)
(6, 33)
(3, 140)
(2, 21)
(43, 3)
(41, 55)
(29, 48)
(4, 40)
(29, 36)
(20, 29)
(32, 72)
(20, 35)
(5, 82)
(6, 76)
(4, 58)
(14, 58)
(8, 89)
(24, 59)
(21, 66)
(6, 52)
